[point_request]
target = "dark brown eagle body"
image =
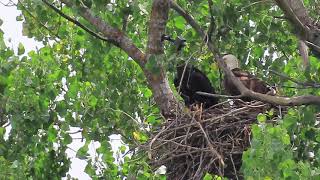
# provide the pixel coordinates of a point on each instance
(191, 80)
(194, 80)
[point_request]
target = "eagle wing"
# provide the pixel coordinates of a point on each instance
(250, 81)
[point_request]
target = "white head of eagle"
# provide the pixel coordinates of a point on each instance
(231, 61)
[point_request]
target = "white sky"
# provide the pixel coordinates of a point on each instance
(13, 29)
(13, 36)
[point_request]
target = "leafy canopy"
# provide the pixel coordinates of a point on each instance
(76, 80)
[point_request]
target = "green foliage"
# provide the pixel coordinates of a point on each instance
(274, 155)
(78, 81)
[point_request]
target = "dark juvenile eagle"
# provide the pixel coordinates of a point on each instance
(194, 80)
(191, 80)
(249, 80)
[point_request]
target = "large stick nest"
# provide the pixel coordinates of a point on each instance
(210, 141)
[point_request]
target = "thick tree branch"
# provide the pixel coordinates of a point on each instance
(113, 34)
(285, 101)
(160, 85)
(157, 26)
(305, 27)
(297, 15)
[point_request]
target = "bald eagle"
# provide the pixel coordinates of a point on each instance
(249, 80)
(194, 80)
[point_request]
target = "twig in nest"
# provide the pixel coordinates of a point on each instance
(234, 167)
(155, 138)
(218, 95)
(214, 151)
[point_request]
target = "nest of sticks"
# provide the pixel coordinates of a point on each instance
(206, 141)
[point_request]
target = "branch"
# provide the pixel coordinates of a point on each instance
(297, 15)
(305, 84)
(245, 92)
(212, 149)
(212, 25)
(35, 18)
(305, 26)
(78, 23)
(188, 18)
(218, 95)
(116, 36)
(284, 101)
(162, 92)
(157, 26)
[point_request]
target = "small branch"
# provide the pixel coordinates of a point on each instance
(114, 35)
(218, 95)
(8, 4)
(295, 87)
(36, 19)
(77, 22)
(188, 18)
(280, 17)
(305, 84)
(314, 46)
(234, 167)
(75, 132)
(212, 20)
(213, 150)
(255, 3)
(156, 137)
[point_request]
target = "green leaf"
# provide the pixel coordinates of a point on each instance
(67, 139)
(90, 170)
(179, 22)
(52, 134)
(262, 118)
(123, 149)
(61, 108)
(207, 177)
(286, 139)
(19, 18)
(93, 101)
(82, 153)
(151, 119)
(2, 131)
(147, 92)
(21, 49)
